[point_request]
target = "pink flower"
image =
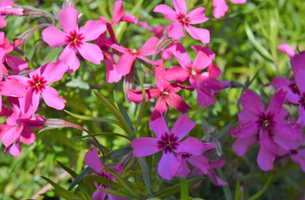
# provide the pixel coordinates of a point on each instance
(221, 7)
(75, 38)
(37, 83)
(287, 49)
(205, 83)
(6, 8)
(93, 161)
(165, 91)
(182, 19)
(126, 61)
(198, 161)
(275, 134)
(168, 142)
(11, 87)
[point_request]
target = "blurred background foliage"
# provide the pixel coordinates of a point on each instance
(245, 41)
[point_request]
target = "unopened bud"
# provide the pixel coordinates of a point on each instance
(68, 3)
(55, 9)
(24, 37)
(235, 84)
(35, 12)
(127, 84)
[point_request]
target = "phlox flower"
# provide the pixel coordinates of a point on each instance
(168, 142)
(125, 62)
(118, 16)
(76, 39)
(37, 83)
(6, 8)
(93, 161)
(220, 7)
(205, 83)
(182, 19)
(198, 161)
(165, 92)
(14, 130)
(274, 133)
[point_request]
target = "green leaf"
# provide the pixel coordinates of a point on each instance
(85, 190)
(61, 191)
(116, 113)
(104, 181)
(176, 188)
(142, 103)
(119, 152)
(117, 193)
(258, 194)
(100, 119)
(80, 177)
(184, 190)
(105, 133)
(226, 188)
(256, 43)
(123, 183)
(238, 193)
(146, 174)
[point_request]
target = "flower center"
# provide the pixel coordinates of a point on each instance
(37, 83)
(168, 143)
(74, 39)
(133, 51)
(183, 19)
(294, 88)
(266, 121)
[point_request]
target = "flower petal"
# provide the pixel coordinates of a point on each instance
(98, 194)
(112, 75)
(286, 144)
(288, 130)
(276, 102)
(68, 19)
(183, 170)
(245, 115)
(197, 16)
(15, 148)
(52, 99)
(53, 71)
(203, 59)
(287, 49)
(12, 87)
(299, 78)
(265, 159)
(265, 138)
(177, 73)
(219, 163)
(200, 162)
(92, 160)
(297, 62)
(215, 179)
(199, 34)
(168, 166)
(176, 31)
(54, 37)
(182, 127)
(91, 52)
(181, 55)
(160, 109)
(165, 10)
(160, 76)
(220, 8)
(27, 135)
(92, 29)
(149, 47)
(241, 145)
(245, 129)
(178, 103)
(159, 127)
(69, 57)
(145, 146)
(251, 102)
(180, 6)
(11, 135)
(191, 145)
(125, 63)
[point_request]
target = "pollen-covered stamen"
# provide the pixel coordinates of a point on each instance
(168, 143)
(266, 121)
(37, 83)
(133, 51)
(183, 19)
(74, 39)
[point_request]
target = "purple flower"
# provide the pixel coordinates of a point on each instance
(93, 161)
(274, 134)
(168, 141)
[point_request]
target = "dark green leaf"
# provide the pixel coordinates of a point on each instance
(146, 174)
(258, 194)
(80, 177)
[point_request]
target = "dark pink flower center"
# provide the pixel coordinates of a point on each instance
(294, 88)
(104, 175)
(266, 121)
(74, 39)
(186, 155)
(302, 100)
(294, 152)
(38, 83)
(168, 143)
(183, 19)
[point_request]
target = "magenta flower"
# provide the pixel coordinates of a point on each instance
(287, 49)
(198, 161)
(165, 92)
(126, 60)
(76, 39)
(205, 83)
(169, 143)
(93, 161)
(11, 87)
(182, 19)
(6, 8)
(37, 83)
(274, 134)
(221, 7)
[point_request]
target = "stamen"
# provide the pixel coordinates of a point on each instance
(38, 84)
(74, 40)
